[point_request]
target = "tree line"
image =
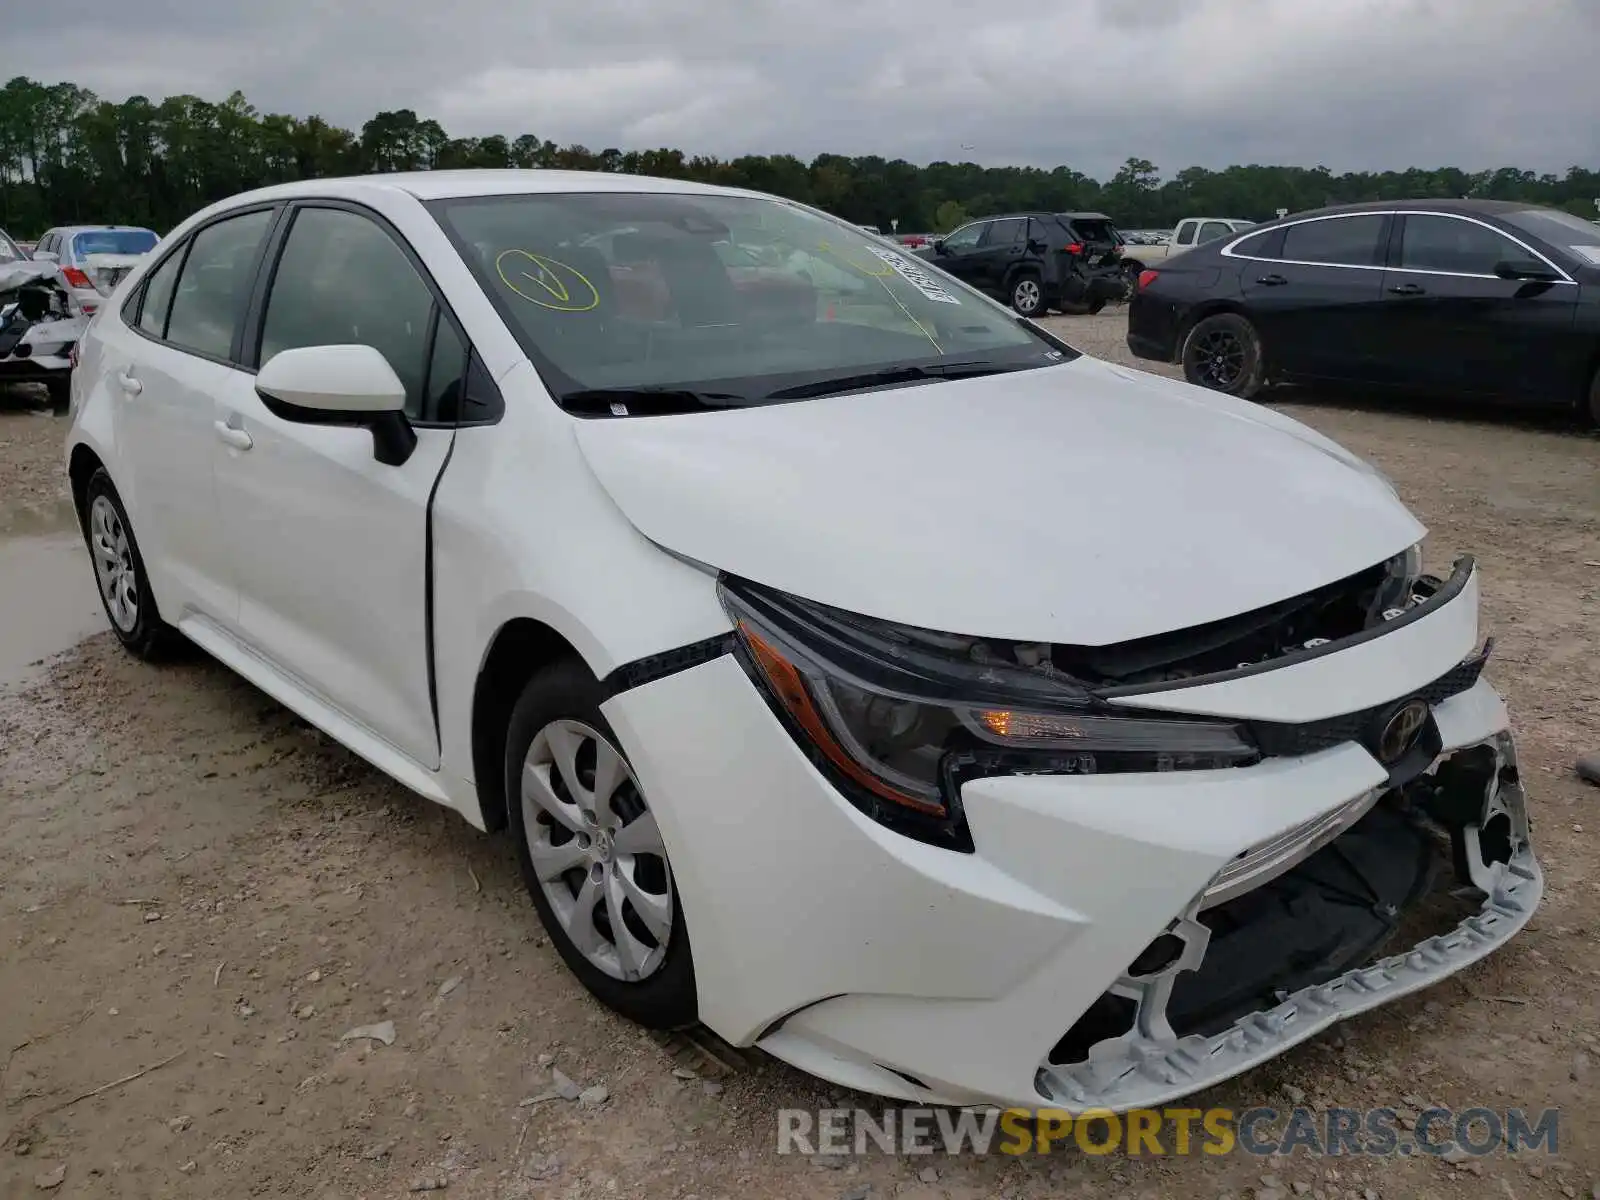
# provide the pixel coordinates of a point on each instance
(67, 156)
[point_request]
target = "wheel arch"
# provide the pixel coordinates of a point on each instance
(82, 463)
(521, 647)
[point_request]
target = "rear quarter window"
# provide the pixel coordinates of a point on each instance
(1261, 245)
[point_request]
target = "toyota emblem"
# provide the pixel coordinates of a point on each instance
(1400, 731)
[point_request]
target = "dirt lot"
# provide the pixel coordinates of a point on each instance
(195, 884)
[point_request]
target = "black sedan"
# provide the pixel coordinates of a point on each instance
(1471, 297)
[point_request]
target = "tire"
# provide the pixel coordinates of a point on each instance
(1223, 353)
(1593, 409)
(60, 394)
(1027, 295)
(120, 574)
(647, 975)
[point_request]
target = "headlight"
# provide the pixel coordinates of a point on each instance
(899, 717)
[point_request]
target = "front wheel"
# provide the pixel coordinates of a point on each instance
(591, 853)
(1223, 353)
(1027, 296)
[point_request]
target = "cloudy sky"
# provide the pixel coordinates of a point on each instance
(1352, 84)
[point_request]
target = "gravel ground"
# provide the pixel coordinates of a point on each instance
(195, 884)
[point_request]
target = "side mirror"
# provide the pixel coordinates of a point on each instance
(1526, 270)
(48, 256)
(340, 385)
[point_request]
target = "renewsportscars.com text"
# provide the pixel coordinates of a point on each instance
(1168, 1131)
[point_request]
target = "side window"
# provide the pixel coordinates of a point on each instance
(1212, 230)
(965, 238)
(1430, 243)
(1185, 234)
(1261, 245)
(1005, 233)
(158, 291)
(1355, 241)
(343, 280)
(214, 285)
(1039, 231)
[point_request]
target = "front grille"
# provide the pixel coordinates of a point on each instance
(1282, 740)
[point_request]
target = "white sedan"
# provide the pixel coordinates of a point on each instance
(860, 671)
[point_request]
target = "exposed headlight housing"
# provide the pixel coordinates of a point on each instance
(898, 717)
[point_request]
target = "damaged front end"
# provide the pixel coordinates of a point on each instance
(38, 328)
(1422, 879)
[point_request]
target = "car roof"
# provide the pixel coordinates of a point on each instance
(1467, 207)
(73, 229)
(444, 185)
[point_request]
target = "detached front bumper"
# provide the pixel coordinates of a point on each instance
(891, 966)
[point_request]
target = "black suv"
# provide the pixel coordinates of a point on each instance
(1036, 261)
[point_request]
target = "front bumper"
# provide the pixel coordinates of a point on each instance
(887, 965)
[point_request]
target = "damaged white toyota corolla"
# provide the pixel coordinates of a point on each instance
(860, 670)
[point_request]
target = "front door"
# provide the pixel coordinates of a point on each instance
(1457, 326)
(1317, 301)
(961, 255)
(331, 544)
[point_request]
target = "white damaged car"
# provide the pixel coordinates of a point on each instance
(38, 328)
(860, 670)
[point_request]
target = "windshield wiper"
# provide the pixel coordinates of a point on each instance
(627, 402)
(893, 375)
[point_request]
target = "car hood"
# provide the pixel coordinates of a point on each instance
(1082, 503)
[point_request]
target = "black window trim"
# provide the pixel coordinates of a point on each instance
(136, 300)
(256, 310)
(1391, 246)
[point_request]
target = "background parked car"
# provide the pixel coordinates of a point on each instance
(1471, 297)
(10, 251)
(115, 250)
(1036, 261)
(1189, 233)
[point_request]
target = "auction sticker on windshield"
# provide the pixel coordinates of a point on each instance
(915, 276)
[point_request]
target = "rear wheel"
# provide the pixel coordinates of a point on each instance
(60, 393)
(1594, 401)
(591, 853)
(120, 572)
(1223, 353)
(1027, 295)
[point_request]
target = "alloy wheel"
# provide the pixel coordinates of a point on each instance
(114, 567)
(1219, 358)
(596, 850)
(1026, 296)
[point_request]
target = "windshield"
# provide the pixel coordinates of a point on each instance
(8, 249)
(722, 300)
(1578, 237)
(113, 241)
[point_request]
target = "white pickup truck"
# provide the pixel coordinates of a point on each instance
(1191, 232)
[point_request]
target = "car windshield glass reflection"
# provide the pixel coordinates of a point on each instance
(723, 299)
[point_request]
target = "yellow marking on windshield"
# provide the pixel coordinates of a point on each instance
(551, 277)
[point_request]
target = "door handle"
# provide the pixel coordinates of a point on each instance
(238, 439)
(1409, 289)
(129, 384)
(1272, 280)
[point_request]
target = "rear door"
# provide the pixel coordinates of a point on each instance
(1455, 325)
(1003, 246)
(1315, 292)
(166, 368)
